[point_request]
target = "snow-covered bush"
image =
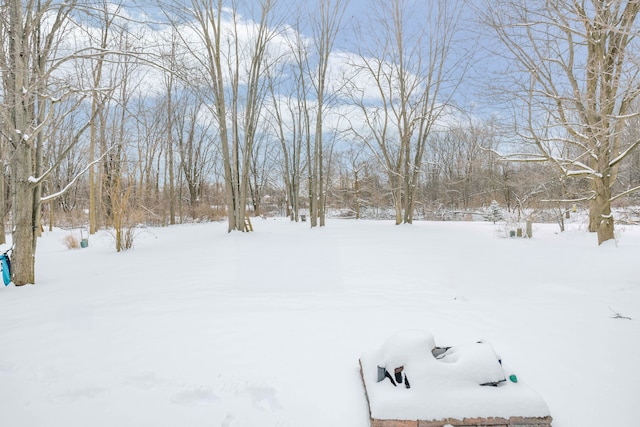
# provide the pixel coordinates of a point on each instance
(494, 213)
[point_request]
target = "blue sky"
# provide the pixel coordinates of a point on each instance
(357, 15)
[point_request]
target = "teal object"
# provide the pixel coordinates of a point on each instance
(5, 262)
(513, 378)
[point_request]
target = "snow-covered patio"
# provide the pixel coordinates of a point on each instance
(410, 378)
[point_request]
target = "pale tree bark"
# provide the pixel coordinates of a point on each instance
(4, 142)
(578, 76)
(414, 70)
(3, 238)
(169, 83)
(18, 126)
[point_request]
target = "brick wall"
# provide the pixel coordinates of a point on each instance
(468, 422)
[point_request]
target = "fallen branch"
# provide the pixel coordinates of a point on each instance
(618, 315)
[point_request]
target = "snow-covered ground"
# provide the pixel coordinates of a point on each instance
(198, 327)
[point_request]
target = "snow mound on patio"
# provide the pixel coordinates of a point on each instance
(455, 384)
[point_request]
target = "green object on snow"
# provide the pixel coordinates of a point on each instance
(513, 378)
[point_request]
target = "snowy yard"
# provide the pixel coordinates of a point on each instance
(198, 327)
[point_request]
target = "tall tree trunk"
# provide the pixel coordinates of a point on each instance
(325, 29)
(22, 156)
(313, 196)
(172, 190)
(602, 208)
(93, 134)
(3, 215)
(92, 175)
(23, 260)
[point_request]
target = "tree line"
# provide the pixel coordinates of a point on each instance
(114, 115)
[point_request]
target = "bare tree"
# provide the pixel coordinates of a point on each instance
(575, 71)
(194, 138)
(325, 27)
(300, 110)
(469, 168)
(629, 175)
(59, 134)
(30, 93)
(233, 54)
(289, 123)
(413, 69)
(106, 20)
(358, 164)
(169, 82)
(151, 135)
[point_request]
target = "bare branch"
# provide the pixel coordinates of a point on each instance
(75, 178)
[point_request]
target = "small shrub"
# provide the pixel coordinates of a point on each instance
(128, 238)
(71, 242)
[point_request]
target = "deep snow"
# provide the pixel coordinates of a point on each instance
(198, 327)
